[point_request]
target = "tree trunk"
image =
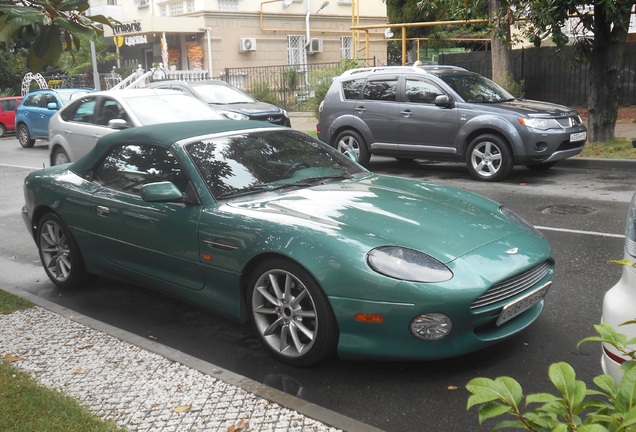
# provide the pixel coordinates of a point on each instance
(501, 53)
(606, 77)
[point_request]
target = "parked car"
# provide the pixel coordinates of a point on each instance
(8, 106)
(34, 113)
(228, 100)
(262, 222)
(445, 113)
(619, 303)
(75, 129)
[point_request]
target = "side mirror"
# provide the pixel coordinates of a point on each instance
(52, 106)
(160, 192)
(443, 101)
(118, 124)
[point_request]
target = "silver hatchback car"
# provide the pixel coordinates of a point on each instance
(445, 113)
(75, 129)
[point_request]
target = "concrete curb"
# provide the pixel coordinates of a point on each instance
(303, 407)
(589, 163)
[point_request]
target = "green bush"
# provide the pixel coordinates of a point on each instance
(575, 407)
(320, 81)
(262, 91)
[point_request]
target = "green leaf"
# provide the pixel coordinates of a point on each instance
(541, 398)
(510, 390)
(21, 15)
(491, 410)
(484, 390)
(606, 383)
(563, 377)
(592, 428)
(509, 424)
(69, 5)
(44, 51)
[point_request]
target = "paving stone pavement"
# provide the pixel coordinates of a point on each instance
(136, 388)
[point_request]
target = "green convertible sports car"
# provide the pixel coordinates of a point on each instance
(263, 223)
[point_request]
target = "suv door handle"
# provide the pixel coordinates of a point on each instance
(360, 110)
(407, 113)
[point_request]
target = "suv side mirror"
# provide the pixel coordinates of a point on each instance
(443, 101)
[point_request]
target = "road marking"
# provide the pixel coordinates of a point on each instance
(20, 166)
(621, 236)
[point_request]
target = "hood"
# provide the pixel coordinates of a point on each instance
(441, 221)
(531, 108)
(253, 108)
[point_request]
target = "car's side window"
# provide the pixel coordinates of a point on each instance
(109, 110)
(33, 100)
(128, 168)
(82, 112)
(421, 91)
(384, 90)
(352, 89)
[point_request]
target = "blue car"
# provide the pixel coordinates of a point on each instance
(37, 108)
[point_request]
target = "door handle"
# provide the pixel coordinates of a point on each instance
(360, 110)
(406, 113)
(102, 211)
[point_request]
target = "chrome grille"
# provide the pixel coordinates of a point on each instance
(513, 286)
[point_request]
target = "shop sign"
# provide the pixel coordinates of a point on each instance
(132, 27)
(136, 40)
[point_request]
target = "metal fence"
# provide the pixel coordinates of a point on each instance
(550, 75)
(286, 86)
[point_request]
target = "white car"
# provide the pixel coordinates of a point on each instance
(75, 129)
(619, 304)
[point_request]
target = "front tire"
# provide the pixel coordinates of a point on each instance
(24, 136)
(291, 314)
(59, 253)
(350, 140)
(489, 158)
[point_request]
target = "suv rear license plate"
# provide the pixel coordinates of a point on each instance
(579, 136)
(522, 304)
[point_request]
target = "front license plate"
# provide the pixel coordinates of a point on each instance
(579, 136)
(522, 304)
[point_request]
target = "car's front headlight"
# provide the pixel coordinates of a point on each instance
(540, 123)
(630, 232)
(235, 116)
(407, 264)
(515, 217)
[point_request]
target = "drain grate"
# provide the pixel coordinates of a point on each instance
(566, 209)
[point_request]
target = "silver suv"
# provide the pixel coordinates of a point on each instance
(445, 113)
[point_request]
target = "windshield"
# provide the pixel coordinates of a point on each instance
(265, 160)
(167, 108)
(476, 88)
(222, 94)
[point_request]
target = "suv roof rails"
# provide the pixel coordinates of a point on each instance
(419, 68)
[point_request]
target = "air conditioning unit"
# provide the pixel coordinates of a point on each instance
(315, 46)
(247, 44)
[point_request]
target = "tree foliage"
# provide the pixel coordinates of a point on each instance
(12, 69)
(48, 27)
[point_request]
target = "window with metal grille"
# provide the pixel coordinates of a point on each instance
(229, 5)
(296, 53)
(346, 47)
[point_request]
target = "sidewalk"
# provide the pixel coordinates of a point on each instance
(146, 386)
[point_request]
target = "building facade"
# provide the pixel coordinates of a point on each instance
(219, 34)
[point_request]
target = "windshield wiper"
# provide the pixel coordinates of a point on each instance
(306, 182)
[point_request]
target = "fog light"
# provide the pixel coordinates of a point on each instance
(541, 147)
(431, 327)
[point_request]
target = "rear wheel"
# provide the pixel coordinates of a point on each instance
(291, 314)
(59, 253)
(350, 140)
(59, 157)
(3, 130)
(489, 158)
(24, 136)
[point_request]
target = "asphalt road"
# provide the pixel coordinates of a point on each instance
(581, 211)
